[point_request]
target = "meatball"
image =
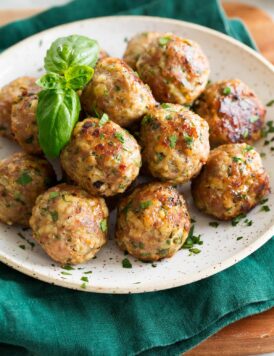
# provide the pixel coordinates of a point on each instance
(69, 224)
(175, 143)
(101, 157)
(152, 222)
(22, 179)
(232, 182)
(24, 125)
(176, 69)
(137, 45)
(233, 112)
(9, 95)
(117, 91)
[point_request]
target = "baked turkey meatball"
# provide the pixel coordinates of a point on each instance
(9, 95)
(137, 45)
(176, 69)
(232, 182)
(175, 143)
(152, 222)
(101, 157)
(22, 179)
(24, 125)
(117, 91)
(233, 112)
(69, 224)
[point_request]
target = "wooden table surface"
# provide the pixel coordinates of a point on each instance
(253, 335)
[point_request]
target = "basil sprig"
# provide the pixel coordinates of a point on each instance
(69, 62)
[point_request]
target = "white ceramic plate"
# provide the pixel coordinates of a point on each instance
(221, 249)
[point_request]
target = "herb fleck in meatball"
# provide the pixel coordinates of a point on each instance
(24, 125)
(231, 183)
(101, 157)
(233, 112)
(10, 94)
(69, 224)
(22, 179)
(175, 143)
(153, 222)
(137, 45)
(176, 69)
(117, 91)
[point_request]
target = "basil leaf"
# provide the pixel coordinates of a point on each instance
(57, 113)
(78, 76)
(51, 81)
(69, 51)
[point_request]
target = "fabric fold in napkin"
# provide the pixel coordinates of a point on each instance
(41, 319)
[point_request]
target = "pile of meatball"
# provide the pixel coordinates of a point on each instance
(163, 116)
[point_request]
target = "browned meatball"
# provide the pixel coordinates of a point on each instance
(232, 182)
(24, 125)
(102, 158)
(233, 112)
(22, 179)
(69, 224)
(137, 45)
(175, 143)
(9, 95)
(117, 91)
(176, 69)
(152, 222)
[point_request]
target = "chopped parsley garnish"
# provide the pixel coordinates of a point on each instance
(265, 208)
(23, 247)
(32, 244)
(235, 221)
(214, 224)
(84, 279)
(126, 263)
(270, 103)
(195, 250)
(165, 106)
(254, 118)
(262, 154)
(53, 195)
(192, 240)
(248, 222)
(263, 201)
(103, 225)
(245, 133)
(248, 148)
(226, 91)
(54, 215)
(172, 141)
(83, 285)
(67, 267)
(24, 178)
(104, 119)
(145, 204)
(159, 156)
(66, 273)
(237, 159)
(239, 238)
(88, 272)
(146, 119)
(120, 137)
(163, 41)
(188, 140)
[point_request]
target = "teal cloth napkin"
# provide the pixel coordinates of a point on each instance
(40, 319)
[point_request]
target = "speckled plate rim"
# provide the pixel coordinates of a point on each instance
(164, 284)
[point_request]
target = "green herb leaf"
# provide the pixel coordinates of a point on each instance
(265, 208)
(53, 195)
(237, 159)
(103, 225)
(104, 119)
(214, 224)
(120, 137)
(172, 141)
(24, 178)
(165, 106)
(145, 204)
(57, 113)
(85, 279)
(69, 51)
(239, 238)
(78, 76)
(67, 267)
(195, 250)
(126, 263)
(188, 140)
(54, 215)
(51, 81)
(254, 118)
(248, 148)
(235, 221)
(270, 103)
(226, 91)
(163, 41)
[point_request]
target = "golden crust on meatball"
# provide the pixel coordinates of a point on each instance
(176, 69)
(104, 159)
(233, 112)
(152, 222)
(232, 182)
(22, 179)
(24, 125)
(174, 143)
(69, 224)
(117, 91)
(137, 45)
(10, 94)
